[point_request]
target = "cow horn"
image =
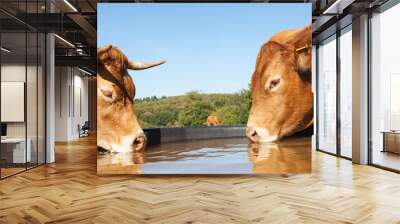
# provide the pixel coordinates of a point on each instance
(140, 66)
(104, 49)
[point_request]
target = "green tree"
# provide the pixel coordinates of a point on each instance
(193, 108)
(164, 118)
(196, 110)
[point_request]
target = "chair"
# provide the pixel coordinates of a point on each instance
(84, 130)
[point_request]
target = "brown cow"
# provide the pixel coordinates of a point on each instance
(212, 121)
(118, 128)
(282, 102)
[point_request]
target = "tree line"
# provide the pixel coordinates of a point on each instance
(193, 108)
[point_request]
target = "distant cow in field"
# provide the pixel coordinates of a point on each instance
(212, 121)
(282, 100)
(118, 128)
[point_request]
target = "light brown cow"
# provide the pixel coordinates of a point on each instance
(282, 100)
(212, 121)
(118, 128)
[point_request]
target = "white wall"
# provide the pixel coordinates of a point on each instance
(80, 111)
(33, 127)
(61, 103)
(12, 73)
(71, 94)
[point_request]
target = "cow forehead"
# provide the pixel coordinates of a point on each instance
(272, 63)
(115, 58)
(113, 53)
(122, 81)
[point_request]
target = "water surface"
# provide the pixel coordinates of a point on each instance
(213, 156)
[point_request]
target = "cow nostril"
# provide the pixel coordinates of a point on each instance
(139, 143)
(252, 134)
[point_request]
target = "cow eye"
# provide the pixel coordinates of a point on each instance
(273, 84)
(106, 93)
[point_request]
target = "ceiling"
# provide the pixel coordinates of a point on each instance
(75, 21)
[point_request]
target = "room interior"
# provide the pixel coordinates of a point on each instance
(48, 92)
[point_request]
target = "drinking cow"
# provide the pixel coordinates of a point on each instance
(282, 102)
(118, 127)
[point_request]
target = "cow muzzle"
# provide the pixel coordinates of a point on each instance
(257, 134)
(140, 142)
(126, 144)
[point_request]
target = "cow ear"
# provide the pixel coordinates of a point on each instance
(302, 46)
(303, 61)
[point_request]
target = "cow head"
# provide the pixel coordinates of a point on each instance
(282, 101)
(212, 120)
(118, 127)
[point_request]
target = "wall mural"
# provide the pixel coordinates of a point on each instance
(230, 92)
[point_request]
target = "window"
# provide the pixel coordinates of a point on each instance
(346, 95)
(23, 89)
(385, 89)
(327, 95)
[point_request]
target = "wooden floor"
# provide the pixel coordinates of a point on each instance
(70, 191)
(387, 159)
(10, 171)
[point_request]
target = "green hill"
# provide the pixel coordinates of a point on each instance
(192, 109)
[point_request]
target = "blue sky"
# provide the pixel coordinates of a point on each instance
(210, 48)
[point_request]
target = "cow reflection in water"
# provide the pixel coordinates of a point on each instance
(289, 156)
(121, 163)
